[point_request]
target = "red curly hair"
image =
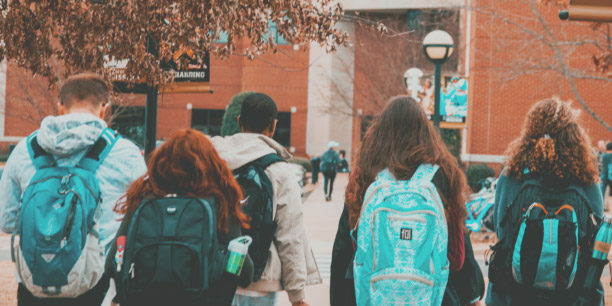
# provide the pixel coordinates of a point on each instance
(188, 164)
(552, 142)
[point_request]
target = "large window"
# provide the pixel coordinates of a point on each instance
(283, 129)
(129, 121)
(207, 121)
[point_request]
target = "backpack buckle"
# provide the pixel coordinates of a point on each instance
(64, 188)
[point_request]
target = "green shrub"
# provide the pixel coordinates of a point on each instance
(230, 126)
(302, 161)
(476, 173)
(3, 157)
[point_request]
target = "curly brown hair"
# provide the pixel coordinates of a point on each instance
(401, 139)
(553, 143)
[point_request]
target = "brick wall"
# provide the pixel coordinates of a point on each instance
(283, 76)
(498, 105)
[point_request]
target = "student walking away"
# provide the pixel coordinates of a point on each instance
(606, 176)
(329, 168)
(343, 164)
(178, 221)
(282, 257)
(57, 195)
(406, 205)
(546, 202)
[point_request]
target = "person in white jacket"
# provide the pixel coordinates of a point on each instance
(68, 137)
(291, 265)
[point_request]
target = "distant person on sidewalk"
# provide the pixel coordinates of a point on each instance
(406, 205)
(186, 175)
(606, 176)
(59, 186)
(548, 192)
(288, 263)
(329, 168)
(343, 165)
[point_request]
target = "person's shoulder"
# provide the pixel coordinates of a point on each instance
(125, 148)
(20, 153)
(282, 172)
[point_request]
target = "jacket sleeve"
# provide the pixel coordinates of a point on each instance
(290, 232)
(10, 190)
(341, 283)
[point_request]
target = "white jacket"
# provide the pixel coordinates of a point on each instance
(291, 265)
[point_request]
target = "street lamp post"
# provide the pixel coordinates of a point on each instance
(438, 47)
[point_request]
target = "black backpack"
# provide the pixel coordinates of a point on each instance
(329, 162)
(172, 255)
(258, 194)
(538, 222)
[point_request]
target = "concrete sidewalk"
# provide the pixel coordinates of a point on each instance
(321, 221)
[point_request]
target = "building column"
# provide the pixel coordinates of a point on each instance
(330, 97)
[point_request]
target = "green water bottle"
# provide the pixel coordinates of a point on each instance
(238, 250)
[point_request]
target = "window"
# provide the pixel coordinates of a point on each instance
(283, 129)
(129, 121)
(272, 31)
(207, 121)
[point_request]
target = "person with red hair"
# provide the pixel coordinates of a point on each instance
(188, 165)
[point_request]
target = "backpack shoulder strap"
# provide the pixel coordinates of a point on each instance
(99, 151)
(40, 158)
(267, 160)
(424, 173)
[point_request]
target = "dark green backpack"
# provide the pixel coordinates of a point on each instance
(172, 256)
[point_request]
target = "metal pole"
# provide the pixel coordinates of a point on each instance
(151, 120)
(151, 109)
(436, 114)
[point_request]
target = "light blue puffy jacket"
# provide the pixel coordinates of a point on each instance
(68, 138)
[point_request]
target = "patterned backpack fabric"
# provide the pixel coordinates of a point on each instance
(58, 253)
(402, 240)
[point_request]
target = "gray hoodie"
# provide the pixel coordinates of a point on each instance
(291, 265)
(68, 138)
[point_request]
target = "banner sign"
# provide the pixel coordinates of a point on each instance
(453, 96)
(191, 74)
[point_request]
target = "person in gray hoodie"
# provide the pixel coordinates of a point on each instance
(291, 265)
(67, 137)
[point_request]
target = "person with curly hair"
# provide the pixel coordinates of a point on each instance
(553, 153)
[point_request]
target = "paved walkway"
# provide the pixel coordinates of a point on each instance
(321, 221)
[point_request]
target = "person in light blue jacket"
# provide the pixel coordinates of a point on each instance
(67, 137)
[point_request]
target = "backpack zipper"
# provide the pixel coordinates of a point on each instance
(411, 277)
(131, 271)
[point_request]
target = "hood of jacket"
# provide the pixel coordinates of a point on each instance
(240, 149)
(68, 134)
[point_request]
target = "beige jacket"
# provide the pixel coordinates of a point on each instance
(291, 265)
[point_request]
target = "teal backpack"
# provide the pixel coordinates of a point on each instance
(402, 239)
(58, 253)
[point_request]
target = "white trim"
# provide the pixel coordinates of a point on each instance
(482, 158)
(11, 138)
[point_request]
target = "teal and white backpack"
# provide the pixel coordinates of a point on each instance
(58, 253)
(402, 239)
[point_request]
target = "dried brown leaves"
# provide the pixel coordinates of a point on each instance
(80, 34)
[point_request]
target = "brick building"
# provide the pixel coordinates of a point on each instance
(502, 48)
